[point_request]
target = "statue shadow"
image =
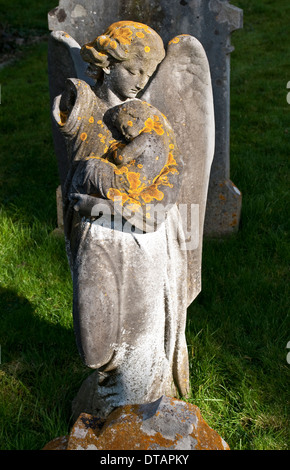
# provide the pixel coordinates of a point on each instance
(41, 359)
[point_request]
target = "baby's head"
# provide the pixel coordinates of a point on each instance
(130, 118)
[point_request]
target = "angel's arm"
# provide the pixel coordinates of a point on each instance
(124, 154)
(144, 157)
(91, 206)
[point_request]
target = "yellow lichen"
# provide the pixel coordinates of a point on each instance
(153, 125)
(123, 35)
(103, 41)
(174, 40)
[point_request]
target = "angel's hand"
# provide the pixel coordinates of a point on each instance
(83, 203)
(92, 206)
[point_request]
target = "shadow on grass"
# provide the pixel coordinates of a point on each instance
(40, 373)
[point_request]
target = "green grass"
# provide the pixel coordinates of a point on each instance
(238, 327)
(26, 15)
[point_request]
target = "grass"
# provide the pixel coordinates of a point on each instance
(238, 327)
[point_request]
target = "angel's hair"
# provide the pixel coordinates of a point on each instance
(122, 41)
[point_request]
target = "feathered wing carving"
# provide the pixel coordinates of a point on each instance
(64, 61)
(182, 90)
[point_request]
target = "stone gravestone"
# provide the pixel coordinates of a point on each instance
(211, 22)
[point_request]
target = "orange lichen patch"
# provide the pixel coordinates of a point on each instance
(152, 193)
(140, 35)
(116, 195)
(121, 171)
(126, 433)
(153, 125)
(91, 120)
(234, 223)
(174, 40)
(103, 41)
(142, 193)
(142, 26)
(114, 145)
(102, 138)
(177, 39)
(171, 146)
(93, 156)
(130, 123)
(113, 44)
(60, 443)
(100, 122)
(147, 49)
(171, 160)
(222, 197)
(84, 136)
(63, 117)
(134, 181)
(123, 35)
(147, 104)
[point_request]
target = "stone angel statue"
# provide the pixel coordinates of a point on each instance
(134, 143)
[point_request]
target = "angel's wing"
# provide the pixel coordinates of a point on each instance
(182, 90)
(64, 61)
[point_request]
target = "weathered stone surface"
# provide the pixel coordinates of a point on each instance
(167, 424)
(212, 23)
(59, 443)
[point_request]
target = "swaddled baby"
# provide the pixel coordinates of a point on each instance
(143, 128)
(143, 166)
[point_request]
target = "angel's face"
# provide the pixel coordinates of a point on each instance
(127, 78)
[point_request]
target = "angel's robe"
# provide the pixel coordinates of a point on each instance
(129, 287)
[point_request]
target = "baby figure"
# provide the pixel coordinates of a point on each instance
(144, 163)
(144, 130)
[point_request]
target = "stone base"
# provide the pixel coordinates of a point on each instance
(166, 424)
